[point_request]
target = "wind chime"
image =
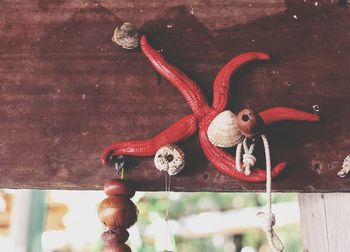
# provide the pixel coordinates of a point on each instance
(218, 128)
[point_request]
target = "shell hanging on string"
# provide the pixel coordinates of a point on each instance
(223, 130)
(170, 158)
(345, 167)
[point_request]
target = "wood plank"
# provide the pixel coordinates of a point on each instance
(67, 91)
(325, 220)
(338, 219)
(312, 214)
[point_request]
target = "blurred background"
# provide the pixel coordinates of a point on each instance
(67, 221)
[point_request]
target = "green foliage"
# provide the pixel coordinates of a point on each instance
(152, 206)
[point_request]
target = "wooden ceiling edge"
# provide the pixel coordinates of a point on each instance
(174, 189)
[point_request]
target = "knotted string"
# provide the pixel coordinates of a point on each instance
(249, 160)
(268, 218)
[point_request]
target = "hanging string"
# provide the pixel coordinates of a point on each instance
(268, 218)
(168, 233)
(119, 166)
(238, 157)
(249, 160)
(122, 174)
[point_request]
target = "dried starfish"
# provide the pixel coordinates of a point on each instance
(203, 115)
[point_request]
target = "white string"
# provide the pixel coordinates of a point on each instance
(238, 157)
(268, 218)
(168, 233)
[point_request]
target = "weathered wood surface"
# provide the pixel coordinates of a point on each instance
(67, 91)
(325, 221)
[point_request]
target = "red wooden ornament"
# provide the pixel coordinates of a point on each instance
(116, 247)
(118, 187)
(115, 235)
(249, 123)
(117, 211)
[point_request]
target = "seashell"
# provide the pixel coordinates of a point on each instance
(345, 167)
(127, 36)
(223, 130)
(170, 158)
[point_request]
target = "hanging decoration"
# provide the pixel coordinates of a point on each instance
(170, 159)
(203, 115)
(117, 213)
(218, 128)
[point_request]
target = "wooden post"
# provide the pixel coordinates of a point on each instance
(325, 221)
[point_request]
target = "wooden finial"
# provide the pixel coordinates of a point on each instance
(249, 123)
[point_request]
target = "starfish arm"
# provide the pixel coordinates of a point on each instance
(222, 80)
(286, 114)
(190, 90)
(226, 163)
(180, 130)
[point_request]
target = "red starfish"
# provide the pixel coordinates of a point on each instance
(203, 115)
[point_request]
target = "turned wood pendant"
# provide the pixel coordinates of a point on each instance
(117, 212)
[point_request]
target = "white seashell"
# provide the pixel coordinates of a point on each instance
(170, 158)
(346, 167)
(223, 130)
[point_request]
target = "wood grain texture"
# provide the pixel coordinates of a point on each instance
(67, 91)
(325, 221)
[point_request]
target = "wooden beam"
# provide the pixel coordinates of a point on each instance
(325, 221)
(66, 90)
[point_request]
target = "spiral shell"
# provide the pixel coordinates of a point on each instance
(223, 130)
(170, 158)
(126, 36)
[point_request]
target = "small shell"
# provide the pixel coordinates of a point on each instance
(170, 158)
(346, 167)
(223, 130)
(126, 36)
